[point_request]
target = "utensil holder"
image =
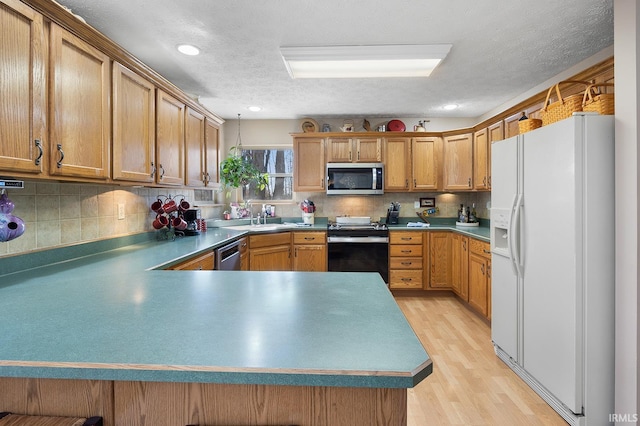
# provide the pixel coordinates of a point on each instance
(308, 218)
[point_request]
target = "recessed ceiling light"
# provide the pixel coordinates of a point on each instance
(188, 49)
(450, 107)
(254, 108)
(363, 61)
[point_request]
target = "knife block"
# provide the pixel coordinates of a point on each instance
(392, 217)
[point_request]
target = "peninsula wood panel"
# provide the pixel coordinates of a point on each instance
(150, 403)
(22, 87)
(58, 397)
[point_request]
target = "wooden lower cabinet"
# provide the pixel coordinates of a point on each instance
(202, 262)
(310, 251)
(406, 250)
(244, 253)
(439, 260)
(480, 277)
(270, 252)
(460, 265)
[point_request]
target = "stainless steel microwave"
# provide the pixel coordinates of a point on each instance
(355, 178)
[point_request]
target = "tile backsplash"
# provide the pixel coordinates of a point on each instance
(58, 214)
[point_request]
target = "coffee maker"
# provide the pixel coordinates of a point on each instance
(191, 216)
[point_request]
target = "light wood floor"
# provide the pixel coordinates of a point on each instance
(469, 385)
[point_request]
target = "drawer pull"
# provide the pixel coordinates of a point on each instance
(309, 238)
(486, 251)
(406, 251)
(406, 238)
(407, 279)
(406, 263)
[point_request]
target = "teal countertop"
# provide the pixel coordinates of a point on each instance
(115, 316)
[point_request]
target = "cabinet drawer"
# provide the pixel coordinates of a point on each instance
(405, 263)
(480, 248)
(405, 279)
(405, 237)
(405, 250)
(203, 262)
(309, 237)
(268, 240)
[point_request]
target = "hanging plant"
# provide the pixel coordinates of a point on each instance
(237, 171)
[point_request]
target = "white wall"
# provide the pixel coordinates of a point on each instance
(627, 71)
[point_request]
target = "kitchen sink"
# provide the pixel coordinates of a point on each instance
(261, 228)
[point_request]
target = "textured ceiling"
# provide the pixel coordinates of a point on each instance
(501, 48)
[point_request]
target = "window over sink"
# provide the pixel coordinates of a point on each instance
(278, 164)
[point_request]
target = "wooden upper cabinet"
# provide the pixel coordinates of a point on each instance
(211, 150)
(481, 164)
(458, 162)
(194, 148)
(357, 149)
(170, 115)
(22, 88)
(134, 131)
(425, 163)
(80, 115)
(309, 165)
(495, 133)
(397, 165)
(339, 150)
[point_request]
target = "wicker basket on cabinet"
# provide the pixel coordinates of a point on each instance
(563, 107)
(596, 101)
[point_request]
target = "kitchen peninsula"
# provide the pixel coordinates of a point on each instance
(113, 334)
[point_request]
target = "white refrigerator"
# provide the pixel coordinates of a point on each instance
(552, 243)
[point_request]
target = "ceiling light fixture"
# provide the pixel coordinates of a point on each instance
(450, 107)
(254, 108)
(188, 49)
(363, 61)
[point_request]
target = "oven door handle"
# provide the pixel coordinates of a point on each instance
(365, 240)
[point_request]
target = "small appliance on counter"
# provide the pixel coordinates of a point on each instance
(192, 217)
(393, 213)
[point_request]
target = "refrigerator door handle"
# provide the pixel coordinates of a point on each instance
(514, 235)
(510, 242)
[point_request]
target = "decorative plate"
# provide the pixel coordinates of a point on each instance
(310, 125)
(396, 126)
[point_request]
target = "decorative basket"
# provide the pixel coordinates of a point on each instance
(529, 124)
(563, 107)
(596, 101)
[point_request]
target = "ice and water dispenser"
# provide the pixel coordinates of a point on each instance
(500, 231)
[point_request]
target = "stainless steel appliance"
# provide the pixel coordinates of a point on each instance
(355, 178)
(228, 257)
(358, 245)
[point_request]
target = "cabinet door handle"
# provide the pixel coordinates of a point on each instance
(406, 184)
(39, 157)
(153, 169)
(469, 183)
(415, 183)
(59, 163)
(482, 269)
(484, 181)
(161, 171)
(464, 245)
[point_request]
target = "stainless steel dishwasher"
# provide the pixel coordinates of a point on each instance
(228, 257)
